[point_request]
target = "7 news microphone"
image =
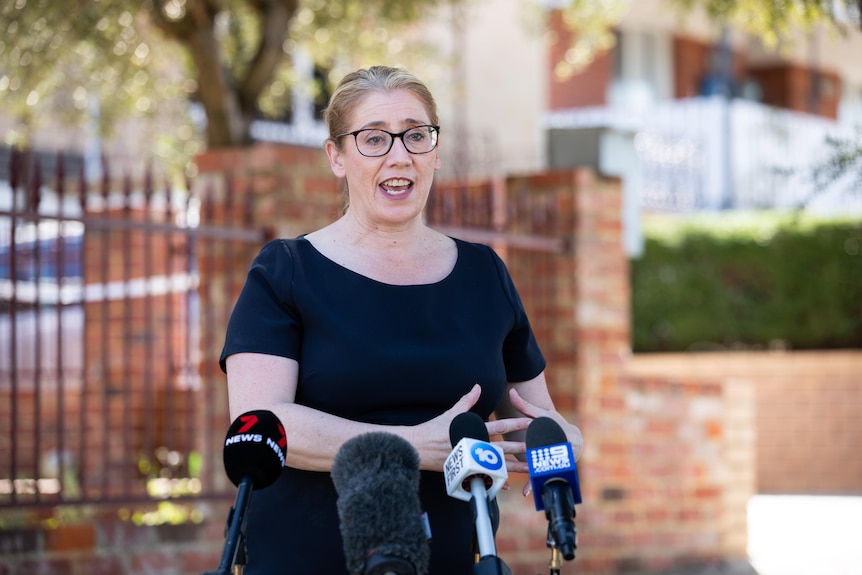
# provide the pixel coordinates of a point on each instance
(254, 451)
(376, 475)
(555, 485)
(475, 471)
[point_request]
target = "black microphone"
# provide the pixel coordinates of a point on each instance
(475, 471)
(383, 532)
(554, 479)
(254, 451)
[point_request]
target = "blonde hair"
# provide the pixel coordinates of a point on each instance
(356, 85)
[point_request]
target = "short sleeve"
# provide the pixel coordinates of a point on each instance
(264, 319)
(522, 355)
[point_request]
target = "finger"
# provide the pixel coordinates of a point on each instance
(527, 490)
(511, 447)
(467, 400)
(507, 425)
(525, 406)
(515, 466)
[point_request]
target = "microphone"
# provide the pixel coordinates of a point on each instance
(475, 471)
(382, 526)
(254, 450)
(554, 480)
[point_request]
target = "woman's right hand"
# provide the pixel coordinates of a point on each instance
(431, 439)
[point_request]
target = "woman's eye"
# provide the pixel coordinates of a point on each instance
(374, 139)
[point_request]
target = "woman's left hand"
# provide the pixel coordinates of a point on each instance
(573, 434)
(532, 411)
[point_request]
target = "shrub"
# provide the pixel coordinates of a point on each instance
(748, 281)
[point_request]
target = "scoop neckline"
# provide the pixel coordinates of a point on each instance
(382, 283)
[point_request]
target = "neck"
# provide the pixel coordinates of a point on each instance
(393, 240)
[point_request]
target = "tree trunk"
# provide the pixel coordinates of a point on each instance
(230, 104)
(226, 124)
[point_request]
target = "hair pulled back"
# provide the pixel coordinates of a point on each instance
(356, 85)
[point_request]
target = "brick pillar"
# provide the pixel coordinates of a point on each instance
(248, 195)
(602, 332)
(577, 296)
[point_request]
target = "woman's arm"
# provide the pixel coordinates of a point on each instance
(532, 399)
(261, 381)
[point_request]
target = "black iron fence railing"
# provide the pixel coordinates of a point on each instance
(105, 394)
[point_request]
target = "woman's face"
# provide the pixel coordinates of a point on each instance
(392, 189)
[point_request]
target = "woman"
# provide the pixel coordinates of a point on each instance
(376, 322)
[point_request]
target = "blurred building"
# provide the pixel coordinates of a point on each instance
(690, 114)
(695, 116)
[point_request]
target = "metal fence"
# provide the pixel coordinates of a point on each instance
(103, 394)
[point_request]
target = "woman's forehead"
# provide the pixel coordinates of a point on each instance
(388, 109)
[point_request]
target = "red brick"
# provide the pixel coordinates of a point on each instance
(201, 561)
(153, 562)
(99, 565)
(70, 538)
(46, 567)
(708, 492)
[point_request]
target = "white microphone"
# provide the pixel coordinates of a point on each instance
(475, 471)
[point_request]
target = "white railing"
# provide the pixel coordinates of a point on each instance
(708, 153)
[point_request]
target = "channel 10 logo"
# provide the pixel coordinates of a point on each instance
(486, 456)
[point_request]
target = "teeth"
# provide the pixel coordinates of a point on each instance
(397, 182)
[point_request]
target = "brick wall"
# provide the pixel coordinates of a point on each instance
(808, 412)
(669, 462)
(107, 545)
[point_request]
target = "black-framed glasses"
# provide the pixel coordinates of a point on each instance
(373, 142)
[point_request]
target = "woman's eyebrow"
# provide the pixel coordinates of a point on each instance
(382, 124)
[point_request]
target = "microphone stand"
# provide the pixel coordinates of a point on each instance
(489, 563)
(556, 561)
(233, 556)
(556, 557)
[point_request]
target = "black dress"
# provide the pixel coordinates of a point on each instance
(376, 353)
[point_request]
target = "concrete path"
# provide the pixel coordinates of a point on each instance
(805, 535)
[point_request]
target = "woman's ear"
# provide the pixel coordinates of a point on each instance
(336, 159)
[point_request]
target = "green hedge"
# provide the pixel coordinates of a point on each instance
(748, 281)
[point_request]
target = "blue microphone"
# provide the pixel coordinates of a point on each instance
(554, 481)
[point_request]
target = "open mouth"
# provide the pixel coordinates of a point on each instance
(396, 186)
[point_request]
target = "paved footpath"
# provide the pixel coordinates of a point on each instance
(805, 534)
